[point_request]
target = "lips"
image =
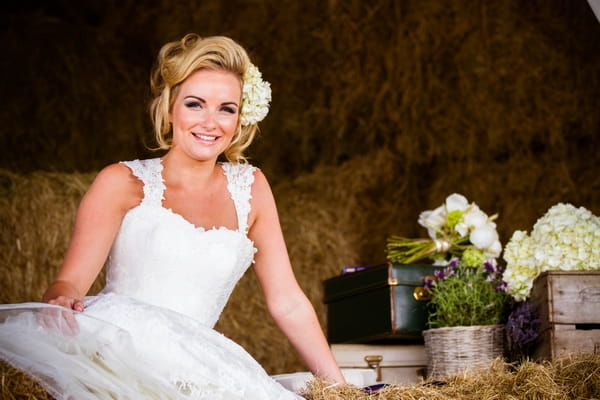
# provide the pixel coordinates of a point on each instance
(206, 138)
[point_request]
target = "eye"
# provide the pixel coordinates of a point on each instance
(230, 110)
(192, 104)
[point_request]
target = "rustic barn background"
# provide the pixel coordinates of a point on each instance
(380, 110)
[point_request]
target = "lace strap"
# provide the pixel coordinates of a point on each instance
(239, 182)
(149, 172)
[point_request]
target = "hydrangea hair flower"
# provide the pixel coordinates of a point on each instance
(256, 96)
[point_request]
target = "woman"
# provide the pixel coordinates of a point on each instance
(176, 234)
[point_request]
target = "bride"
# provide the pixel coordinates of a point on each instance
(176, 233)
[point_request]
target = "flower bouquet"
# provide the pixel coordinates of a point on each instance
(467, 294)
(463, 241)
(453, 227)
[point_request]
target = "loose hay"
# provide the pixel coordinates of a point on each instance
(16, 385)
(570, 377)
(561, 379)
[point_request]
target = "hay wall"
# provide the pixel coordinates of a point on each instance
(379, 112)
(430, 80)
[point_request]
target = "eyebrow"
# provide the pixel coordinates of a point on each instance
(200, 99)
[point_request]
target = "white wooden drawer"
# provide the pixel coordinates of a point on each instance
(395, 364)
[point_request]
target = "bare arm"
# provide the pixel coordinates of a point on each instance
(287, 303)
(113, 192)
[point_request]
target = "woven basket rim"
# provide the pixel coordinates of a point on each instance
(465, 327)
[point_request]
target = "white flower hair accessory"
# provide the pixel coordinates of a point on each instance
(256, 96)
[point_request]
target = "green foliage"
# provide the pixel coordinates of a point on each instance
(466, 297)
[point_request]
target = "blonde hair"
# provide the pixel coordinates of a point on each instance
(176, 62)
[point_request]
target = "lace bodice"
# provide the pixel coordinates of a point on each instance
(160, 258)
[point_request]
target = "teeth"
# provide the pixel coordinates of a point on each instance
(204, 137)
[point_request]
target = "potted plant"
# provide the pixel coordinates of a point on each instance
(468, 297)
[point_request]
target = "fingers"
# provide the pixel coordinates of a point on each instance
(70, 326)
(78, 305)
(67, 302)
(59, 319)
(47, 318)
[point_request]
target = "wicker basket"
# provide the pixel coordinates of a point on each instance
(453, 349)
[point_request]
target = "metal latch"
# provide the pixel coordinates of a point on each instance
(375, 363)
(420, 293)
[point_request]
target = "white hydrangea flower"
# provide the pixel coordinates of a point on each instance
(565, 238)
(520, 265)
(256, 96)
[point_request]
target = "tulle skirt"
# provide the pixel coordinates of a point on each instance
(144, 352)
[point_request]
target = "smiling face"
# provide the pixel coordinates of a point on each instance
(205, 114)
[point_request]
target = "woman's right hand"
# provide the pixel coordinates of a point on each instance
(68, 302)
(61, 319)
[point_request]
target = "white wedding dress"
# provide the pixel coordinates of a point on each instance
(149, 334)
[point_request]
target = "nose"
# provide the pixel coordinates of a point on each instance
(208, 119)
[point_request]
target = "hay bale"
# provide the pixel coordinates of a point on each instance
(37, 213)
(92, 95)
(430, 80)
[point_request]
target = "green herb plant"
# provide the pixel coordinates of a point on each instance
(463, 295)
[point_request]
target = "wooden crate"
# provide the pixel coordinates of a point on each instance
(569, 306)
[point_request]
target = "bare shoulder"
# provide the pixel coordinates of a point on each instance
(262, 202)
(261, 190)
(116, 184)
